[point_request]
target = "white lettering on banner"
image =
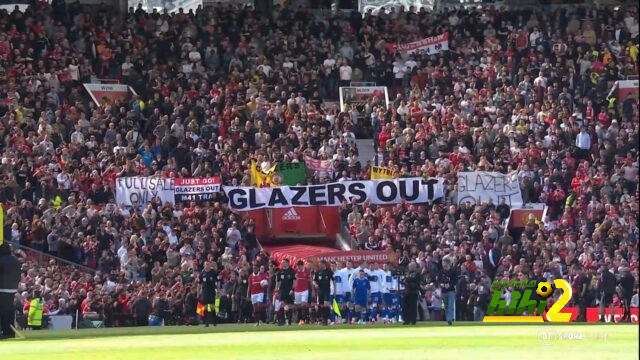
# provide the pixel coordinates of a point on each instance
(140, 190)
(482, 186)
(196, 189)
(412, 190)
(429, 46)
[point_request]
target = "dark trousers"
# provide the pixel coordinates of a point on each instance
(142, 320)
(626, 305)
(210, 316)
(7, 315)
(410, 308)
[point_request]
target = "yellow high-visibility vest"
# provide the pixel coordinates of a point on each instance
(57, 202)
(35, 313)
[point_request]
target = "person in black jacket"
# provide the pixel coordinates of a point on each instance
(9, 279)
(141, 309)
(607, 289)
(626, 284)
(448, 279)
(412, 282)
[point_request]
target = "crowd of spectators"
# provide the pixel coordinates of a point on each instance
(519, 90)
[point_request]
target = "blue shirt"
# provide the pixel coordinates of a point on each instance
(361, 288)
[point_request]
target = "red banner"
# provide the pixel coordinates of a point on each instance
(520, 217)
(430, 45)
(357, 256)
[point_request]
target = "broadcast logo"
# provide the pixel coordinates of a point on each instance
(524, 306)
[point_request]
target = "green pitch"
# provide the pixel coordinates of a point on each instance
(427, 341)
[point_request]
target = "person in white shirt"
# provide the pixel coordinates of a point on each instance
(583, 142)
(126, 67)
(233, 238)
(376, 281)
(342, 289)
(410, 64)
(540, 81)
(345, 74)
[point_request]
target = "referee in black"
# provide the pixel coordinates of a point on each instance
(208, 280)
(284, 286)
(412, 283)
(9, 279)
(322, 281)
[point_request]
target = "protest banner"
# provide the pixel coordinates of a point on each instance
(411, 190)
(262, 178)
(293, 173)
(382, 173)
(139, 190)
(482, 186)
(196, 189)
(101, 94)
(323, 167)
(359, 96)
(431, 45)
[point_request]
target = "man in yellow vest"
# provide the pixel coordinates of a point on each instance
(35, 311)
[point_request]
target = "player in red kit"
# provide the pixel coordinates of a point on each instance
(258, 282)
(301, 292)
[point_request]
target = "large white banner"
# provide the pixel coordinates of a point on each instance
(381, 192)
(482, 186)
(376, 5)
(139, 190)
(431, 45)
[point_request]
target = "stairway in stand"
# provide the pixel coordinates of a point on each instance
(366, 151)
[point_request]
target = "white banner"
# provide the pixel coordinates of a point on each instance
(381, 192)
(376, 5)
(431, 45)
(196, 189)
(482, 186)
(140, 190)
(101, 94)
(323, 167)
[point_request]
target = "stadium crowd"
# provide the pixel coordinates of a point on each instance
(518, 90)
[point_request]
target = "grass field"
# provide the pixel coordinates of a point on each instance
(425, 341)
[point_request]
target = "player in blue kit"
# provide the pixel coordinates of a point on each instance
(361, 289)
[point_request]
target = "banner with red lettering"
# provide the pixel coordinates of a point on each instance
(431, 45)
(196, 189)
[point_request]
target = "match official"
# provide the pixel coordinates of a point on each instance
(208, 280)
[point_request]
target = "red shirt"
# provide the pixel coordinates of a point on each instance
(302, 281)
(382, 138)
(254, 283)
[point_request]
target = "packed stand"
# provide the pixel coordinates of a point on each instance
(518, 91)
